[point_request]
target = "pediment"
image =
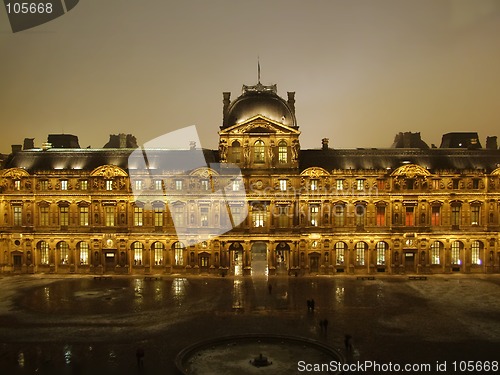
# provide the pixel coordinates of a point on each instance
(259, 124)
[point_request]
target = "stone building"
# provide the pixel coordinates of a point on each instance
(404, 209)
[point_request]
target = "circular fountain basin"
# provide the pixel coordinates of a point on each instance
(235, 355)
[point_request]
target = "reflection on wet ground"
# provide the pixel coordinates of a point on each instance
(77, 325)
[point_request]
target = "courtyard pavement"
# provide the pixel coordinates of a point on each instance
(77, 325)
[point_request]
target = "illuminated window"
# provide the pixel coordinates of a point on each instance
(204, 185)
(476, 248)
(339, 184)
(84, 185)
(44, 215)
(236, 185)
(137, 251)
(84, 216)
(44, 185)
(158, 253)
(436, 216)
(455, 252)
(109, 214)
(380, 216)
(138, 185)
(435, 184)
(258, 152)
(475, 214)
(381, 248)
(360, 253)
(339, 215)
(314, 185)
(84, 253)
(44, 252)
(236, 151)
(63, 252)
(64, 215)
(64, 184)
(360, 184)
(340, 248)
(18, 216)
(138, 216)
(436, 248)
(409, 216)
(204, 216)
(258, 215)
(178, 184)
(109, 185)
(158, 216)
(314, 215)
(17, 185)
(203, 261)
(282, 152)
(282, 185)
(178, 253)
(158, 185)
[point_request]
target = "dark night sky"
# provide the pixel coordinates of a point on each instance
(362, 70)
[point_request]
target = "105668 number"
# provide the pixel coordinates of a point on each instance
(29, 8)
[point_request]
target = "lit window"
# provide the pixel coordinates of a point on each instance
(236, 185)
(360, 253)
(84, 253)
(64, 184)
(63, 252)
(282, 185)
(475, 214)
(18, 215)
(178, 254)
(204, 216)
(436, 248)
(84, 185)
(44, 252)
(339, 184)
(109, 212)
(339, 215)
(137, 251)
(381, 248)
(109, 185)
(138, 185)
(455, 252)
(178, 184)
(158, 185)
(476, 252)
(258, 152)
(158, 253)
(314, 185)
(44, 215)
(258, 216)
(44, 185)
(84, 216)
(409, 216)
(204, 184)
(360, 184)
(158, 216)
(340, 252)
(138, 216)
(236, 152)
(314, 214)
(436, 216)
(381, 216)
(17, 185)
(282, 152)
(64, 215)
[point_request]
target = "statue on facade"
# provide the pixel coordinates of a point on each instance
(295, 150)
(223, 150)
(270, 153)
(246, 153)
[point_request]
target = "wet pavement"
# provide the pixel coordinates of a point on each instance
(77, 325)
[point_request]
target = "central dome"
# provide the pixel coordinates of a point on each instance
(260, 100)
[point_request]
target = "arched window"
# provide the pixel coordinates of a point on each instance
(436, 248)
(236, 152)
(137, 250)
(455, 252)
(282, 152)
(258, 152)
(381, 248)
(178, 253)
(43, 247)
(360, 253)
(158, 253)
(340, 248)
(83, 248)
(63, 252)
(476, 248)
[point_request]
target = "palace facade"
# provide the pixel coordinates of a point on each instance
(405, 209)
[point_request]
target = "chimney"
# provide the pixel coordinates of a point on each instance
(291, 100)
(123, 140)
(16, 148)
(226, 96)
(491, 143)
(28, 143)
(324, 143)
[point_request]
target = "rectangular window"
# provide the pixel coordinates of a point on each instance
(84, 216)
(179, 256)
(204, 185)
(380, 254)
(158, 256)
(204, 216)
(475, 183)
(360, 215)
(17, 185)
(158, 185)
(44, 215)
(381, 216)
(179, 215)
(84, 185)
(84, 253)
(339, 215)
(475, 215)
(64, 215)
(236, 185)
(138, 216)
(44, 253)
(456, 184)
(475, 252)
(109, 185)
(360, 184)
(455, 253)
(380, 184)
(138, 185)
(236, 215)
(64, 184)
(178, 184)
(138, 256)
(340, 250)
(44, 185)
(435, 184)
(455, 215)
(109, 212)
(314, 185)
(360, 256)
(258, 218)
(410, 216)
(436, 216)
(340, 184)
(282, 185)
(18, 216)
(158, 215)
(314, 215)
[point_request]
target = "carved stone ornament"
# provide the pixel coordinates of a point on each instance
(108, 172)
(315, 172)
(204, 172)
(411, 171)
(15, 173)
